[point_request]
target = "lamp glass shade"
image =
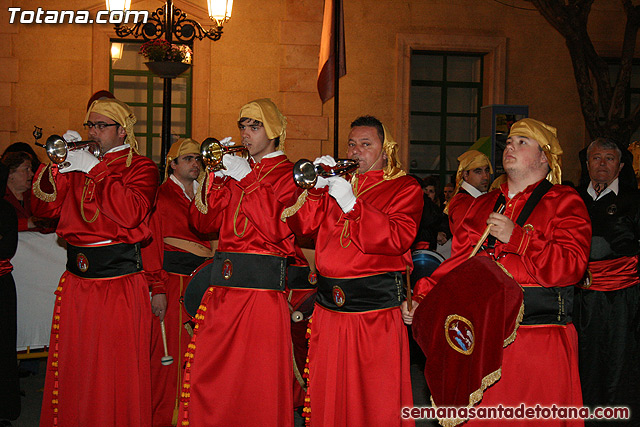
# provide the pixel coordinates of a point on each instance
(220, 10)
(118, 5)
(116, 50)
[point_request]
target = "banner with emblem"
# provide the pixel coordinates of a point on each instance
(462, 326)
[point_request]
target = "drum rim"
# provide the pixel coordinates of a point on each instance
(429, 252)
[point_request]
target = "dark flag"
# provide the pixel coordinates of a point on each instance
(326, 66)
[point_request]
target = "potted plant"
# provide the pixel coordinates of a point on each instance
(165, 59)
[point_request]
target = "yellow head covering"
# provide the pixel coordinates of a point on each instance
(180, 147)
(469, 160)
(547, 138)
(265, 111)
(119, 112)
(393, 169)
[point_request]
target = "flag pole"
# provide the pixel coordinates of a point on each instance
(336, 74)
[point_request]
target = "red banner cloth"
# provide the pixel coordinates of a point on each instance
(462, 326)
(327, 63)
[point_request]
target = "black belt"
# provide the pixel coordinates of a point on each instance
(100, 262)
(547, 306)
(361, 294)
(235, 270)
(242, 270)
(181, 262)
(299, 277)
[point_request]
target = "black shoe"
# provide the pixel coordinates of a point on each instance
(5, 423)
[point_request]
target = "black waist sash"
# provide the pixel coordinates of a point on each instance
(361, 294)
(299, 277)
(242, 270)
(541, 305)
(547, 306)
(100, 262)
(181, 262)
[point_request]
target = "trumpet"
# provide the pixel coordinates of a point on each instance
(57, 148)
(212, 152)
(305, 173)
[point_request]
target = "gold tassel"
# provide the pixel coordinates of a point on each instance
(291, 210)
(202, 206)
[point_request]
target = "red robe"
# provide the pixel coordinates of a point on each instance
(240, 371)
(359, 362)
(98, 367)
(541, 365)
(170, 219)
(457, 207)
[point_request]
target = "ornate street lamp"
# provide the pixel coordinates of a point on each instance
(168, 22)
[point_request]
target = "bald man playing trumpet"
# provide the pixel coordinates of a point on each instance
(364, 226)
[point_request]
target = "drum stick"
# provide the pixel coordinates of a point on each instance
(166, 359)
(409, 305)
(485, 234)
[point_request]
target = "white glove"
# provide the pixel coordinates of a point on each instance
(78, 160)
(325, 160)
(340, 189)
(322, 182)
(71, 136)
(236, 167)
(227, 142)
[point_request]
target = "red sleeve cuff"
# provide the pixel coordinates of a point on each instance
(354, 214)
(520, 238)
(98, 172)
(157, 281)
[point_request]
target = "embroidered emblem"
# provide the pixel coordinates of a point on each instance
(82, 262)
(612, 209)
(459, 334)
(338, 296)
(313, 278)
(227, 269)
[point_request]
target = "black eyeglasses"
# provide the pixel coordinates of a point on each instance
(99, 125)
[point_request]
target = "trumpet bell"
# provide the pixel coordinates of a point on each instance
(57, 148)
(212, 152)
(305, 173)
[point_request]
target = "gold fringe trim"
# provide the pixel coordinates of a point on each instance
(37, 190)
(291, 210)
(474, 398)
(306, 410)
(53, 352)
(199, 196)
(185, 395)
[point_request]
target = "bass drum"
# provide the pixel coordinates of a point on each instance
(198, 285)
(425, 263)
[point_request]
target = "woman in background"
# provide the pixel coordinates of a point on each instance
(18, 192)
